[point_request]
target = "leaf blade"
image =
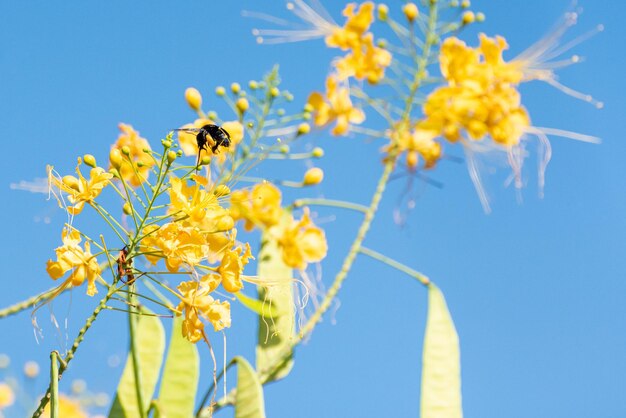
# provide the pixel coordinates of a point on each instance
(181, 372)
(150, 347)
(441, 364)
(249, 402)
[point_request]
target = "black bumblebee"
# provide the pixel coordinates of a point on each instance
(209, 135)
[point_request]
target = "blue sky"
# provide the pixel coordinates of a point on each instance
(535, 288)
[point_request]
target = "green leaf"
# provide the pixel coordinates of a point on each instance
(441, 368)
(150, 343)
(249, 400)
(257, 306)
(179, 383)
(275, 332)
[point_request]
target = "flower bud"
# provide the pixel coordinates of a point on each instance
(274, 92)
(126, 150)
(468, 17)
(465, 4)
(71, 182)
(306, 116)
(317, 152)
(235, 88)
(206, 160)
(166, 143)
(304, 128)
(284, 149)
(242, 105)
(179, 153)
(280, 112)
(480, 17)
(90, 160)
(31, 369)
(79, 386)
(410, 11)
(221, 190)
(412, 158)
(308, 108)
(194, 98)
(313, 176)
(383, 12)
(127, 209)
(253, 85)
(212, 115)
(226, 223)
(171, 156)
(220, 91)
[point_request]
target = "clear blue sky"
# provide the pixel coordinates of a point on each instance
(536, 289)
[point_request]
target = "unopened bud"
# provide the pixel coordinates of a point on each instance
(317, 152)
(90, 160)
(179, 153)
(115, 157)
(313, 176)
(274, 92)
(480, 17)
(127, 209)
(235, 88)
(253, 85)
(226, 223)
(126, 150)
(468, 17)
(383, 12)
(242, 105)
(194, 98)
(31, 369)
(465, 4)
(206, 160)
(284, 148)
(171, 156)
(306, 116)
(410, 11)
(308, 107)
(220, 91)
(280, 112)
(212, 115)
(304, 128)
(166, 143)
(412, 158)
(71, 182)
(221, 190)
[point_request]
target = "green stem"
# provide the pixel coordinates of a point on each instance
(395, 264)
(205, 398)
(54, 385)
(133, 349)
(30, 302)
(71, 353)
(331, 203)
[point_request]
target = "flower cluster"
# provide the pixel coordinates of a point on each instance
(300, 241)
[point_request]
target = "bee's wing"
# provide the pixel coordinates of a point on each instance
(188, 130)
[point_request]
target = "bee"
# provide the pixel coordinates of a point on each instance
(209, 135)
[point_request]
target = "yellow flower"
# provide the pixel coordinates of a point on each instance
(260, 207)
(135, 167)
(80, 190)
(176, 243)
(232, 266)
(195, 202)
(417, 143)
(302, 242)
(70, 256)
(7, 396)
(357, 23)
(68, 408)
(336, 106)
(196, 303)
(365, 62)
